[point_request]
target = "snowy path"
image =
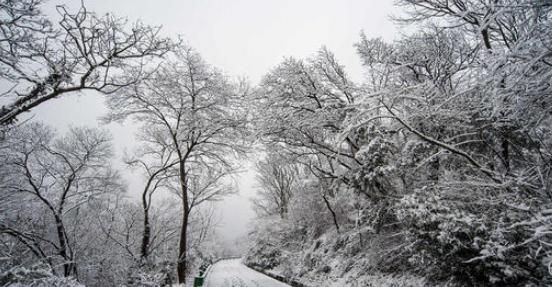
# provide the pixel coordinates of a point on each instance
(232, 273)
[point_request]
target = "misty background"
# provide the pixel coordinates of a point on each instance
(243, 38)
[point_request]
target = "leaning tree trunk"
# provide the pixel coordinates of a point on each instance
(334, 216)
(146, 236)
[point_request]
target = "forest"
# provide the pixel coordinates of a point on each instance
(434, 170)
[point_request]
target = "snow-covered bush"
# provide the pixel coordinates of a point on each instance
(150, 276)
(38, 276)
(266, 249)
(474, 237)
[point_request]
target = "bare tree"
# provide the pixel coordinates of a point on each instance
(42, 61)
(196, 113)
(277, 183)
(57, 176)
(157, 165)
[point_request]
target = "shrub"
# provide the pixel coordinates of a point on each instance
(473, 238)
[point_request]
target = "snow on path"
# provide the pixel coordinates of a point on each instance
(232, 273)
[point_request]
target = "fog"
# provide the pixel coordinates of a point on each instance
(243, 38)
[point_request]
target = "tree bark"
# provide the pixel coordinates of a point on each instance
(146, 236)
(144, 252)
(182, 263)
(69, 267)
(334, 217)
(506, 155)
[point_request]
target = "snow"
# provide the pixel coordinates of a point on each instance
(232, 273)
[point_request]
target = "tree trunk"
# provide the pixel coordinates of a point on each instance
(486, 38)
(146, 236)
(506, 155)
(144, 252)
(182, 264)
(334, 217)
(69, 267)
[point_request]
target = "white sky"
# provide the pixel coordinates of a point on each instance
(243, 38)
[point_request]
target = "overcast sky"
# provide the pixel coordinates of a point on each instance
(242, 38)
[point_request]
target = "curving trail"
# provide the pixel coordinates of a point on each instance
(232, 273)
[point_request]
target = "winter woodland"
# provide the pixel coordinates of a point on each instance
(434, 170)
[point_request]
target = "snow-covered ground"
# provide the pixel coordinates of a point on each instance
(232, 273)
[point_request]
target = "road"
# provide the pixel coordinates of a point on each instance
(232, 273)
